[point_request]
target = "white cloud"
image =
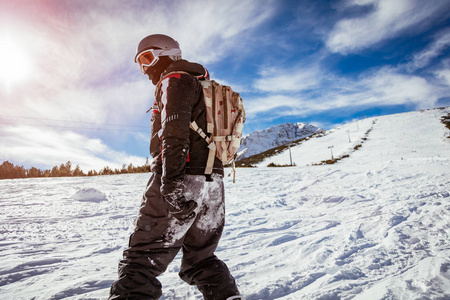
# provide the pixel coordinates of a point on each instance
(270, 103)
(206, 30)
(386, 20)
(209, 30)
(34, 145)
(384, 87)
(423, 58)
(389, 88)
(288, 80)
(444, 75)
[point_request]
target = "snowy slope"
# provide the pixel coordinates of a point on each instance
(262, 140)
(374, 225)
(396, 136)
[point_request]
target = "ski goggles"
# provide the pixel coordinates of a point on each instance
(150, 57)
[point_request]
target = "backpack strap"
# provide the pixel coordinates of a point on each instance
(223, 140)
(209, 104)
(211, 146)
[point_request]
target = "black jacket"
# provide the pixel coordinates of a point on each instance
(178, 150)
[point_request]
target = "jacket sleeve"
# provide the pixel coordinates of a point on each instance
(178, 93)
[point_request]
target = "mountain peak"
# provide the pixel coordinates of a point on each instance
(262, 140)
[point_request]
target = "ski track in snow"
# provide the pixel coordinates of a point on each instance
(374, 225)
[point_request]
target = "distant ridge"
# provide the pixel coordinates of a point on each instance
(262, 140)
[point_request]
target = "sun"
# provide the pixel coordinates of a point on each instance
(15, 63)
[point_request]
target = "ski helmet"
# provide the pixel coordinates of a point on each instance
(165, 46)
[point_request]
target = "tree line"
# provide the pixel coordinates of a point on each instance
(10, 171)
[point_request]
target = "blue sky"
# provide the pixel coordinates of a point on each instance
(70, 90)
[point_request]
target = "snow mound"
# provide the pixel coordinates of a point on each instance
(89, 195)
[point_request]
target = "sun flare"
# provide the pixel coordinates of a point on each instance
(15, 64)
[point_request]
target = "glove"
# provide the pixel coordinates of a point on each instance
(180, 208)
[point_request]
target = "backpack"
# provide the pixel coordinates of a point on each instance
(225, 117)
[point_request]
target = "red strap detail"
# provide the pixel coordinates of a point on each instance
(187, 157)
(176, 75)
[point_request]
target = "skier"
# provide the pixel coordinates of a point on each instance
(181, 208)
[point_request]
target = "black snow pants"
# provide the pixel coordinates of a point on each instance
(158, 238)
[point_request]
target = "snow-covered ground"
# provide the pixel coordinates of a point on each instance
(374, 225)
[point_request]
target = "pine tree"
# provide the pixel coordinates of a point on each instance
(78, 171)
(34, 172)
(55, 172)
(6, 170)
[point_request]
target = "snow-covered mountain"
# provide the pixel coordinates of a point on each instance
(374, 225)
(262, 140)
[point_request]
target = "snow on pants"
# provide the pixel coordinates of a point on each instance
(158, 238)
